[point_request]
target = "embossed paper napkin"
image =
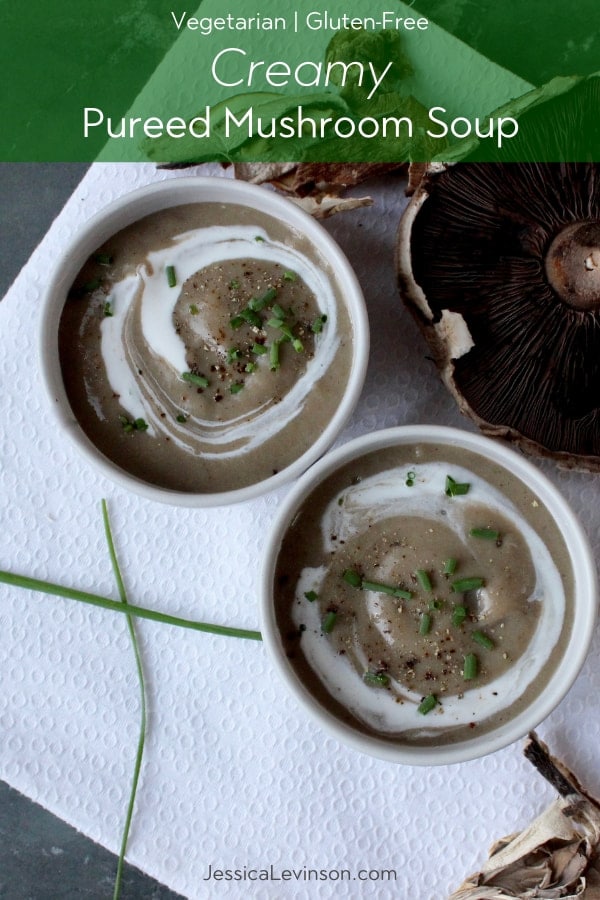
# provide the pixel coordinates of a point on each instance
(238, 787)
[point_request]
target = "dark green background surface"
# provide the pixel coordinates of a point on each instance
(57, 56)
(60, 57)
(536, 39)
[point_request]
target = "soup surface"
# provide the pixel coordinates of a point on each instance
(206, 347)
(422, 592)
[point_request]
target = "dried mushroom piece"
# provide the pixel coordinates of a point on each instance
(304, 179)
(317, 187)
(326, 205)
(558, 856)
(500, 263)
(261, 173)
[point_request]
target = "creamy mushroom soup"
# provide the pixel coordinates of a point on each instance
(206, 347)
(423, 592)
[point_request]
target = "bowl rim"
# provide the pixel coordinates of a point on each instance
(585, 597)
(131, 207)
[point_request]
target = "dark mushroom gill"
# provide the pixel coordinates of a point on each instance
(479, 245)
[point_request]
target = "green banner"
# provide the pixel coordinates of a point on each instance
(345, 81)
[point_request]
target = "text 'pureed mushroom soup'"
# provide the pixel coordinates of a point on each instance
(422, 592)
(205, 347)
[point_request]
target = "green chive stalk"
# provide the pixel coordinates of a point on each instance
(58, 590)
(130, 610)
(142, 686)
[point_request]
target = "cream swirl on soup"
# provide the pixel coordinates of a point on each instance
(147, 298)
(416, 611)
(206, 347)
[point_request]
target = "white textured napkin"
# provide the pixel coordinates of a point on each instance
(234, 776)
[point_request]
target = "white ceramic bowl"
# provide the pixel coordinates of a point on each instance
(170, 193)
(585, 599)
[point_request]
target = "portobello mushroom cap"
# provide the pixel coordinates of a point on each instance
(500, 264)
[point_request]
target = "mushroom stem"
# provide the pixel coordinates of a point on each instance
(573, 265)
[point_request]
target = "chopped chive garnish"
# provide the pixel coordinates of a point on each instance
(260, 239)
(436, 604)
(352, 577)
(259, 349)
(455, 488)
(269, 295)
(375, 586)
(317, 325)
(297, 345)
(237, 322)
(171, 277)
(449, 566)
(486, 534)
(103, 259)
(383, 589)
(279, 311)
(311, 595)
(234, 284)
(424, 580)
(182, 417)
(130, 425)
(483, 640)
(274, 356)
(237, 387)
(289, 276)
(192, 378)
(376, 679)
(427, 704)
(251, 317)
(250, 367)
(233, 354)
(133, 425)
(467, 584)
(459, 614)
(91, 286)
(470, 667)
(108, 308)
(258, 303)
(425, 625)
(410, 479)
(193, 309)
(286, 331)
(328, 623)
(275, 323)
